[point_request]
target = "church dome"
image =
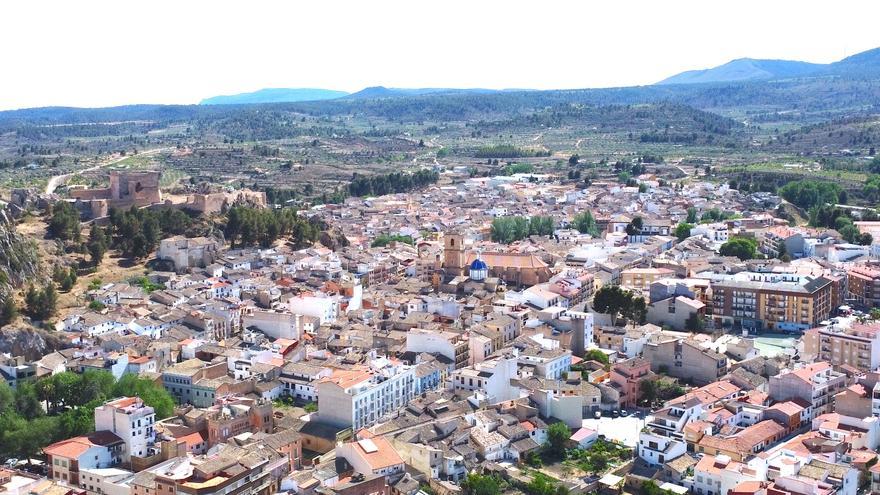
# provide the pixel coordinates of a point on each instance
(479, 264)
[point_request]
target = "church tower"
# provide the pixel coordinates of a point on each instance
(454, 255)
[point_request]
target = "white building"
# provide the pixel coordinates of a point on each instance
(324, 308)
(275, 324)
(490, 381)
(359, 398)
(132, 421)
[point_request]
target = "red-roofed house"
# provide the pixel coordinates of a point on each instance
(101, 449)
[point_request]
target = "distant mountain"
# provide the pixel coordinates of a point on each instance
(383, 92)
(746, 69)
(862, 64)
(275, 95)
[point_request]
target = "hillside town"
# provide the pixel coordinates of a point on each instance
(626, 349)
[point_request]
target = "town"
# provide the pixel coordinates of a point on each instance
(480, 333)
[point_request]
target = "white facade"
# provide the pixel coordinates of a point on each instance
(131, 420)
(275, 324)
(325, 308)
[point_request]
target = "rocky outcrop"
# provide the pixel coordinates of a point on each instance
(19, 261)
(333, 239)
(28, 342)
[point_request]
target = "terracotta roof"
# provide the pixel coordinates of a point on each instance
(382, 456)
(74, 447)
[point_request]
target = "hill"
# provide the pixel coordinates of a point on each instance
(383, 92)
(746, 69)
(274, 95)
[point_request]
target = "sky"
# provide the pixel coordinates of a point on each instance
(104, 53)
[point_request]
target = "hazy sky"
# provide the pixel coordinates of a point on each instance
(91, 53)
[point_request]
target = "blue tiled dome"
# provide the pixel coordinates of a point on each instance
(479, 264)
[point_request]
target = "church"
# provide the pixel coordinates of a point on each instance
(516, 269)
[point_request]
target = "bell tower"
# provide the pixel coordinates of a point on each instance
(454, 256)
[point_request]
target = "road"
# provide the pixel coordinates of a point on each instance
(58, 180)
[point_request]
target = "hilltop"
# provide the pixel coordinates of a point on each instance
(275, 95)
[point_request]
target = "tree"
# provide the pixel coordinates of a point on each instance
(634, 227)
(596, 355)
(8, 311)
(97, 244)
(614, 301)
(574, 159)
(41, 304)
(694, 323)
(557, 436)
(683, 231)
(63, 222)
(692, 215)
(586, 224)
(153, 395)
(649, 391)
(741, 247)
(477, 484)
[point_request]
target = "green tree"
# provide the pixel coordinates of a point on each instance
(153, 395)
(634, 227)
(692, 215)
(740, 247)
(557, 435)
(41, 304)
(683, 231)
(97, 244)
(478, 484)
(8, 311)
(597, 355)
(586, 224)
(694, 323)
(63, 222)
(615, 301)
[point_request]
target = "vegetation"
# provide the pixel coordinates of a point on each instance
(597, 355)
(383, 240)
(136, 232)
(808, 193)
(70, 400)
(246, 226)
(541, 484)
(743, 248)
(64, 277)
(518, 168)
(614, 301)
(394, 182)
(63, 222)
(8, 311)
(599, 456)
(478, 484)
(501, 151)
(694, 323)
(650, 391)
(97, 244)
(586, 224)
(511, 229)
(41, 304)
(683, 231)
(146, 284)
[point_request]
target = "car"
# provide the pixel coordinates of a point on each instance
(615, 414)
(597, 415)
(623, 412)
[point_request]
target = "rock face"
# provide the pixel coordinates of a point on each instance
(27, 342)
(18, 255)
(333, 239)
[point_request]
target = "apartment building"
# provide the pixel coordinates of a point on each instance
(863, 286)
(816, 384)
(130, 419)
(771, 301)
(642, 278)
(684, 359)
(627, 377)
(360, 397)
(231, 416)
(450, 345)
(488, 381)
(857, 345)
(182, 381)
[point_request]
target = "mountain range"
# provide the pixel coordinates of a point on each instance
(275, 95)
(750, 69)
